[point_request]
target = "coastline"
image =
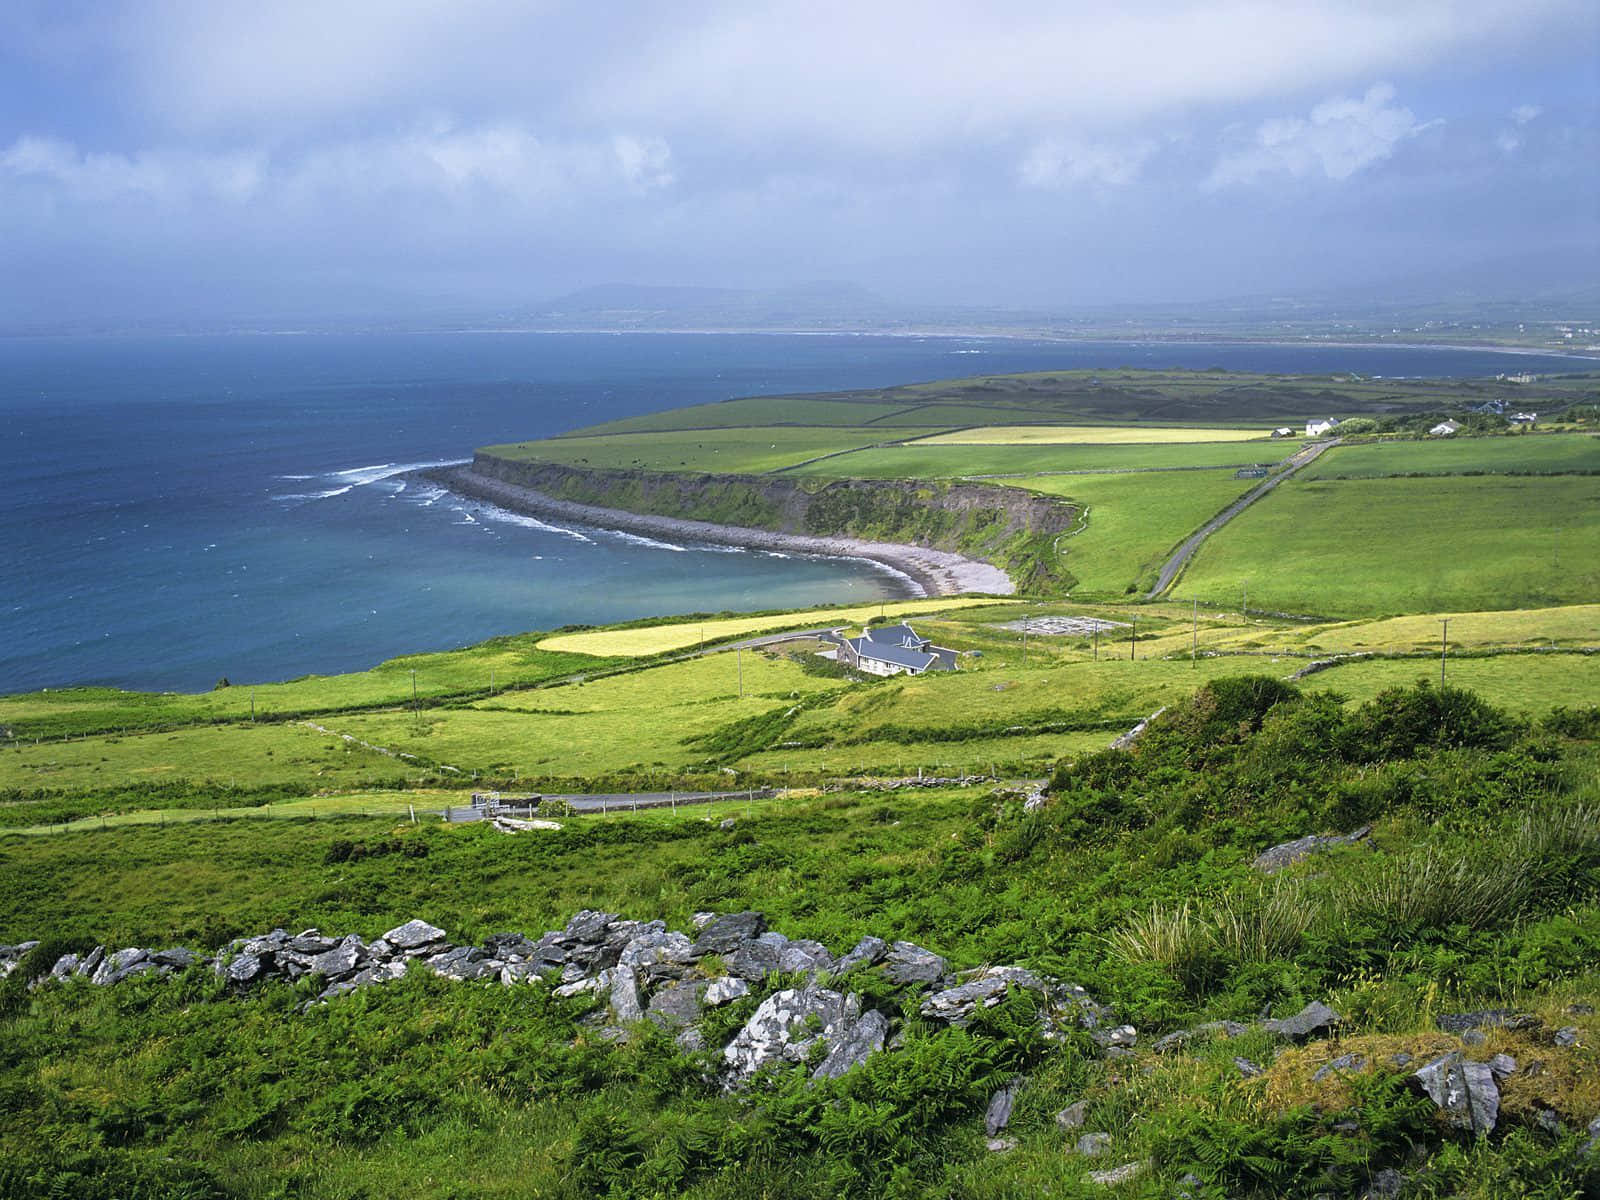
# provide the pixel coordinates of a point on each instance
(928, 572)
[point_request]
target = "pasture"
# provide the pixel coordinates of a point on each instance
(718, 451)
(927, 459)
(1519, 454)
(1391, 546)
(1090, 435)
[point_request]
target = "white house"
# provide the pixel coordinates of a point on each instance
(1318, 428)
(892, 650)
(1444, 429)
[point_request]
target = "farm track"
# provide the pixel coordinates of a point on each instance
(1180, 558)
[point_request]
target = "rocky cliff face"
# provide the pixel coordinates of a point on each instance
(1010, 527)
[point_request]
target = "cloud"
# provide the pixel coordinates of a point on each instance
(164, 177)
(1062, 163)
(1340, 138)
(1524, 113)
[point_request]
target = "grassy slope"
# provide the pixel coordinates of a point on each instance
(1092, 435)
(1381, 546)
(722, 451)
(1524, 454)
(931, 460)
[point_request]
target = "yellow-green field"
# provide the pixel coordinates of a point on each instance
(660, 639)
(720, 451)
(1089, 435)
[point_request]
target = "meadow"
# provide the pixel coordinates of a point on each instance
(1390, 546)
(926, 459)
(1090, 435)
(1520, 454)
(720, 451)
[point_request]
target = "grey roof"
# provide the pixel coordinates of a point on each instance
(896, 635)
(900, 656)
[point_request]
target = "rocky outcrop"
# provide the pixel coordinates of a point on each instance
(1286, 854)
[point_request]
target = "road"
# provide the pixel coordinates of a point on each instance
(1185, 552)
(624, 801)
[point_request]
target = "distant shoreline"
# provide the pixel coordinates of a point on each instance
(924, 571)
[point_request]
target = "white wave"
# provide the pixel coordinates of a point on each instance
(506, 517)
(640, 540)
(294, 476)
(331, 492)
(776, 554)
(361, 476)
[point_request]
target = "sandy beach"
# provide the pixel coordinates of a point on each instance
(926, 572)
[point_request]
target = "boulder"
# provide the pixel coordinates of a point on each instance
(176, 957)
(1486, 1018)
(1093, 1145)
(755, 960)
(865, 953)
(727, 933)
(1118, 1176)
(1566, 1036)
(245, 969)
(1121, 1037)
(658, 954)
(267, 943)
(854, 1046)
(677, 1005)
(908, 963)
(337, 963)
(805, 955)
(311, 942)
(956, 1005)
(116, 967)
(66, 965)
(1071, 1117)
(625, 1003)
(1314, 1018)
(1000, 1145)
(1464, 1091)
(1288, 853)
(511, 947)
(721, 991)
(786, 1026)
(998, 1114)
(1343, 1065)
(90, 963)
(414, 937)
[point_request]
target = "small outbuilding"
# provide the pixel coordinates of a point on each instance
(1444, 429)
(1283, 431)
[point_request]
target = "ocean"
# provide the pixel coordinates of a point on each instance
(175, 510)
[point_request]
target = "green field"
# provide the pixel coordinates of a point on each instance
(932, 460)
(721, 451)
(1523, 454)
(1531, 683)
(1384, 546)
(1134, 521)
(1091, 435)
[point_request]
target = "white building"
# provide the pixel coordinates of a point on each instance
(1318, 428)
(893, 650)
(1444, 429)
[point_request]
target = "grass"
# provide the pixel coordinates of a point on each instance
(1100, 435)
(1566, 625)
(1389, 546)
(661, 639)
(931, 460)
(1522, 454)
(1134, 521)
(722, 451)
(1531, 683)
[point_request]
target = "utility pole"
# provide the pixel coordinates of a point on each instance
(252, 704)
(1024, 645)
(1444, 646)
(1194, 643)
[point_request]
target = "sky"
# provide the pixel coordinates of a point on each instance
(312, 157)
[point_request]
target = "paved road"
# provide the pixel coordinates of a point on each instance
(626, 801)
(1185, 552)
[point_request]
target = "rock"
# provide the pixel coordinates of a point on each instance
(512, 947)
(1246, 1068)
(1400, 1059)
(414, 936)
(310, 941)
(1344, 1064)
(1176, 1040)
(463, 963)
(757, 959)
(266, 944)
(650, 952)
(1314, 1018)
(592, 983)
(864, 953)
(1567, 1036)
(785, 1027)
(513, 973)
(676, 1005)
(1474, 1037)
(176, 957)
(1000, 1145)
(1093, 1145)
(1385, 1184)
(246, 969)
(1464, 1091)
(589, 925)
(91, 962)
(1122, 1037)
(1227, 1029)
(859, 1042)
(957, 1004)
(625, 1003)
(336, 964)
(1118, 1175)
(65, 965)
(1486, 1018)
(1593, 1130)
(908, 963)
(701, 919)
(805, 955)
(116, 967)
(1288, 853)
(721, 991)
(1071, 1117)
(726, 823)
(1503, 1066)
(998, 1115)
(726, 934)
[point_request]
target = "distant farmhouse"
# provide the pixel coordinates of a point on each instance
(1490, 408)
(1318, 428)
(1524, 418)
(890, 650)
(1444, 429)
(1282, 431)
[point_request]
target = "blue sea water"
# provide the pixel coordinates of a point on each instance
(173, 510)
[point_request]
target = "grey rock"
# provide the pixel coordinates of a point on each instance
(1175, 1040)
(1581, 1010)
(625, 1003)
(511, 947)
(1503, 1066)
(1400, 1059)
(908, 963)
(588, 983)
(1093, 1145)
(114, 967)
(414, 935)
(267, 943)
(721, 991)
(1287, 854)
(1119, 1053)
(336, 964)
(464, 963)
(588, 926)
(1314, 1018)
(1464, 1091)
(785, 1027)
(727, 933)
(1593, 1144)
(1345, 1064)
(755, 960)
(691, 1039)
(246, 969)
(1122, 1037)
(1474, 1037)
(857, 1043)
(1567, 1036)
(91, 962)
(1188, 1187)
(1000, 1145)
(1386, 1184)
(176, 957)
(998, 1115)
(1118, 1175)
(865, 953)
(1071, 1117)
(726, 823)
(66, 965)
(701, 919)
(1246, 1068)
(657, 952)
(805, 955)
(957, 1004)
(1486, 1018)
(310, 941)
(676, 1005)
(1227, 1029)
(513, 973)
